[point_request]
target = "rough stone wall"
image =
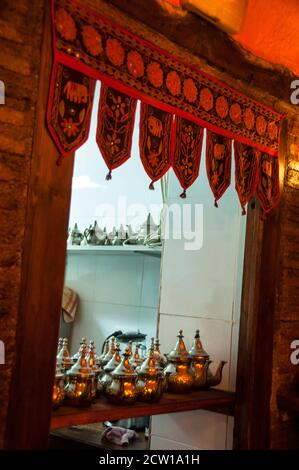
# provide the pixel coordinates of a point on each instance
(284, 430)
(20, 41)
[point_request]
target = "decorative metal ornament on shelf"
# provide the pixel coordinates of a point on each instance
(178, 100)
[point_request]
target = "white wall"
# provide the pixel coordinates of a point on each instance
(202, 289)
(117, 292)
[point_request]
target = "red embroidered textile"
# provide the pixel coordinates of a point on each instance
(88, 47)
(155, 141)
(246, 159)
(115, 126)
(218, 163)
(267, 190)
(87, 41)
(69, 110)
(187, 152)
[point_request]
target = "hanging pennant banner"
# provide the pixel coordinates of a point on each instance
(246, 159)
(155, 141)
(187, 152)
(267, 190)
(174, 95)
(218, 163)
(69, 108)
(116, 116)
(89, 42)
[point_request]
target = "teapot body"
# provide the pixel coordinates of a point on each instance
(182, 380)
(122, 390)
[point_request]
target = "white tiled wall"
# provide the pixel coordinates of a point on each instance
(117, 292)
(202, 289)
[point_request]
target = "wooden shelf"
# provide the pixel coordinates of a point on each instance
(288, 401)
(115, 250)
(213, 400)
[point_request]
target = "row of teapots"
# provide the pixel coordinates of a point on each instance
(148, 234)
(86, 376)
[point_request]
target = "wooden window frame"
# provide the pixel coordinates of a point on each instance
(42, 284)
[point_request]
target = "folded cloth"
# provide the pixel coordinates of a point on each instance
(119, 436)
(70, 302)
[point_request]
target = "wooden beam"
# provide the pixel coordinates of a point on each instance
(262, 267)
(42, 278)
(213, 46)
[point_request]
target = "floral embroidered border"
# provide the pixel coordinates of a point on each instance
(116, 116)
(155, 141)
(87, 41)
(187, 151)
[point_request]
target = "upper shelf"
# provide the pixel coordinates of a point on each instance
(115, 250)
(213, 400)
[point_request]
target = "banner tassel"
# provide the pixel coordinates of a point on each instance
(183, 195)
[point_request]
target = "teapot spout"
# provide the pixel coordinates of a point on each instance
(214, 380)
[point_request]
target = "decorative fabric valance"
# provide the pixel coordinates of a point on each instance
(177, 99)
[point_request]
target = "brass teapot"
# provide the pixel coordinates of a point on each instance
(64, 360)
(203, 377)
(76, 235)
(92, 362)
(150, 379)
(78, 391)
(122, 390)
(58, 393)
(106, 377)
(180, 381)
(110, 353)
(94, 235)
(75, 356)
(158, 355)
(102, 356)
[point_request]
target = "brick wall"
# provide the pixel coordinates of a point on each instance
(20, 40)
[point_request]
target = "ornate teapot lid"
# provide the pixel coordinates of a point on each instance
(136, 360)
(150, 366)
(124, 369)
(59, 346)
(110, 353)
(106, 350)
(158, 355)
(81, 367)
(63, 358)
(75, 356)
(197, 350)
(115, 361)
(92, 358)
(179, 353)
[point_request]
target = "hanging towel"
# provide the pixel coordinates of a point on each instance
(70, 302)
